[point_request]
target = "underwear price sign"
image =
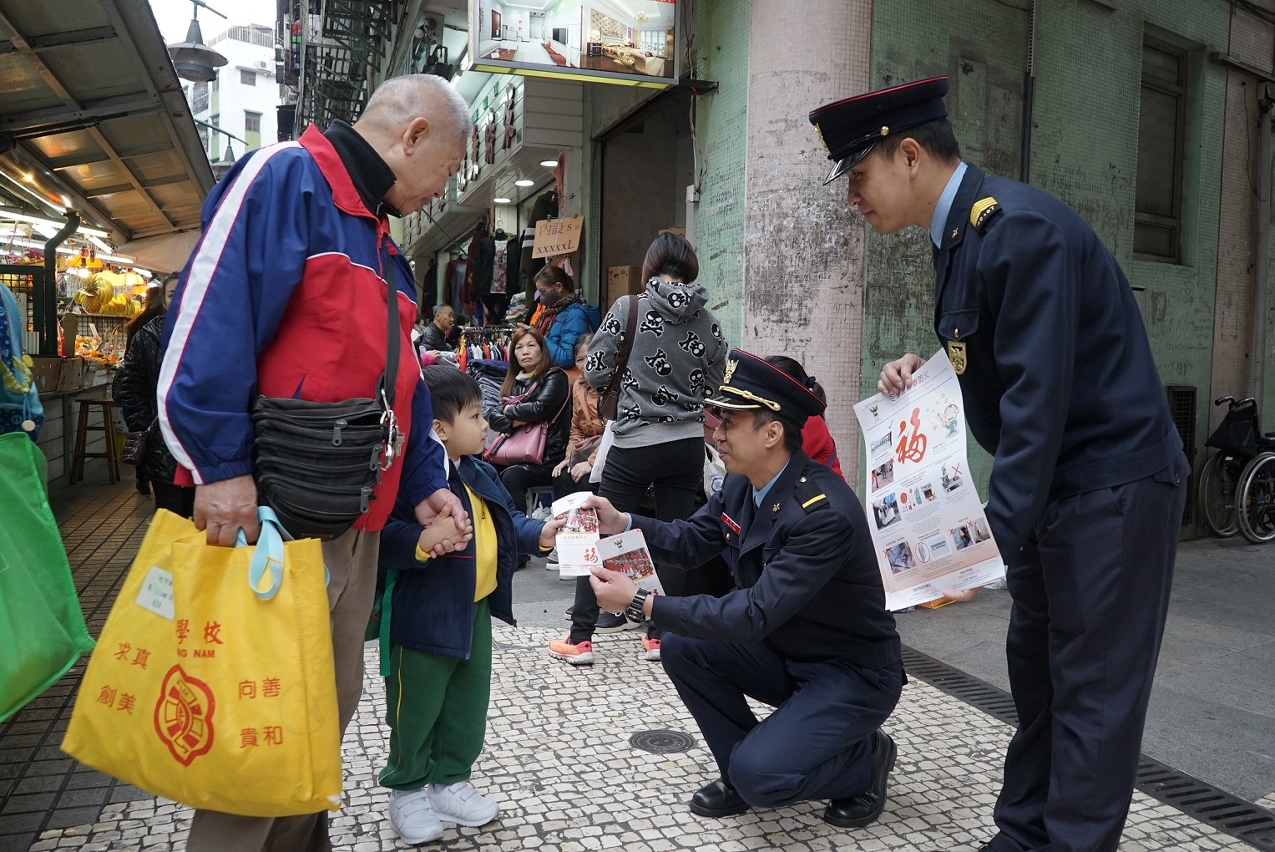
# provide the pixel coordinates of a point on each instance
(556, 237)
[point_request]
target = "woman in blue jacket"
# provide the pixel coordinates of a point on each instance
(565, 316)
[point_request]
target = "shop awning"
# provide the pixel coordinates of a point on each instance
(93, 118)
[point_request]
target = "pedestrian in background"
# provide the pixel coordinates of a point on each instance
(138, 381)
(565, 316)
(1088, 480)
(677, 359)
(156, 304)
(535, 391)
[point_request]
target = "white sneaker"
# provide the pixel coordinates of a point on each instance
(462, 804)
(541, 513)
(413, 817)
(551, 560)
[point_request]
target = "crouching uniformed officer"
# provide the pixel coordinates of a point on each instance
(806, 630)
(1086, 493)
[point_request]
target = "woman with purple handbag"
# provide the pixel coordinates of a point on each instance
(533, 420)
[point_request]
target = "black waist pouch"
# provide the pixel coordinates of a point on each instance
(316, 463)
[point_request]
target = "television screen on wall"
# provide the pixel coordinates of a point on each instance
(628, 43)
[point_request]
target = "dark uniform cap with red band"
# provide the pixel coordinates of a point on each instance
(752, 383)
(851, 127)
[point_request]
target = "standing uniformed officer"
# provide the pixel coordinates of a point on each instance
(1088, 483)
(806, 630)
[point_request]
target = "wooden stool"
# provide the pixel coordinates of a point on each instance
(81, 434)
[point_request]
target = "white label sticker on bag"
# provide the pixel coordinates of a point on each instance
(157, 593)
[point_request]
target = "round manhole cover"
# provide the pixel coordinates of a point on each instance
(662, 742)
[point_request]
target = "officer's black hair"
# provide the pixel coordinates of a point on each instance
(672, 255)
(450, 390)
(792, 432)
(936, 137)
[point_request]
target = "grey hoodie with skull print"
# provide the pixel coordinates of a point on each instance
(677, 361)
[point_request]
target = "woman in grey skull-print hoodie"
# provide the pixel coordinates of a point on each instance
(678, 358)
(677, 361)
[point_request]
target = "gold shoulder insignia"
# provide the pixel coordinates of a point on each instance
(982, 212)
(810, 496)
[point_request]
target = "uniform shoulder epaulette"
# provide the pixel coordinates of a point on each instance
(983, 212)
(809, 495)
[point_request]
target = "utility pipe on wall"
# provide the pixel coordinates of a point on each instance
(1257, 361)
(1028, 96)
(46, 298)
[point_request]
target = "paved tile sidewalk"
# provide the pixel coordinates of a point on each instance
(558, 760)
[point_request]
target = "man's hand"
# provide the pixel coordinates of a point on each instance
(225, 507)
(610, 521)
(614, 590)
(443, 528)
(581, 470)
(897, 375)
(431, 507)
(549, 532)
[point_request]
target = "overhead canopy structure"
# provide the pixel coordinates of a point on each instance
(93, 118)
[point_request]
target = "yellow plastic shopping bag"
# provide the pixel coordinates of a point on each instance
(207, 688)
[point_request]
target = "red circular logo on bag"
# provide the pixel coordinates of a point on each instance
(183, 715)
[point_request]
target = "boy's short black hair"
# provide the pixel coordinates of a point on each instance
(450, 390)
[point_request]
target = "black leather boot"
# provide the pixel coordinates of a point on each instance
(864, 808)
(718, 799)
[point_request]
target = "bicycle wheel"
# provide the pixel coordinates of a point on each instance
(1256, 499)
(1216, 493)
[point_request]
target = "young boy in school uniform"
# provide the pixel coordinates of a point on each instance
(437, 615)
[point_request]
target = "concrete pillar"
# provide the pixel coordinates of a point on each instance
(803, 248)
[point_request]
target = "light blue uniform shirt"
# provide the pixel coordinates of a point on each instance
(944, 207)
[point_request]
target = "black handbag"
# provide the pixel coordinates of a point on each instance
(316, 463)
(134, 447)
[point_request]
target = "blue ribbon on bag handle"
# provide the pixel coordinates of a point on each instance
(268, 553)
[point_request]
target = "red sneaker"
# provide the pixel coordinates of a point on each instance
(651, 645)
(580, 654)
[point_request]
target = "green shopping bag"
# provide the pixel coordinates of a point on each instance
(42, 630)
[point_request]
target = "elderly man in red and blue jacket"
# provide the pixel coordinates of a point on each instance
(284, 297)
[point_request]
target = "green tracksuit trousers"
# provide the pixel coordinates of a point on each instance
(436, 708)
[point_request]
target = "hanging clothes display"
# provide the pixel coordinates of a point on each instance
(485, 343)
(454, 282)
(546, 207)
(468, 294)
(497, 298)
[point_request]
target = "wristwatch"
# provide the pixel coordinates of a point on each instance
(633, 612)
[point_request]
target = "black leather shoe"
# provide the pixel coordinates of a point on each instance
(718, 799)
(864, 808)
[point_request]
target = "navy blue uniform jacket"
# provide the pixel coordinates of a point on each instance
(807, 576)
(1059, 382)
(432, 608)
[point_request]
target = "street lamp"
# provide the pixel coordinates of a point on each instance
(227, 161)
(193, 59)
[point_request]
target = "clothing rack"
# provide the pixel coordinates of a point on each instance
(484, 342)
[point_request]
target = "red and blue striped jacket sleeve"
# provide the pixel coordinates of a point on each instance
(227, 306)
